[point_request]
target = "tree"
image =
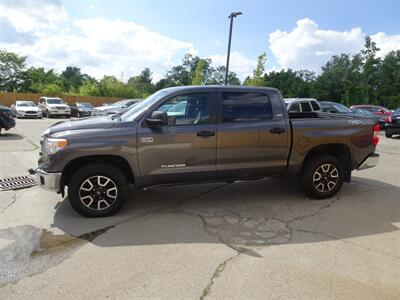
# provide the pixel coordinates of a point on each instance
(89, 89)
(198, 73)
(258, 72)
(51, 89)
(12, 71)
(72, 79)
(218, 76)
(371, 70)
(37, 78)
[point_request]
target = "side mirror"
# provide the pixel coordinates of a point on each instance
(158, 118)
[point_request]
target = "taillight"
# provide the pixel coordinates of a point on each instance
(388, 120)
(375, 139)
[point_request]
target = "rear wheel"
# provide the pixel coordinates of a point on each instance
(322, 176)
(97, 190)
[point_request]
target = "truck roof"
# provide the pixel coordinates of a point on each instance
(219, 87)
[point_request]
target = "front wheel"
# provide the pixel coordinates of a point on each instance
(388, 135)
(97, 190)
(322, 176)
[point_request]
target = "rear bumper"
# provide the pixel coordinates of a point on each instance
(370, 162)
(392, 129)
(48, 181)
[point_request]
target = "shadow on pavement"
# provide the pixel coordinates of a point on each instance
(10, 136)
(257, 213)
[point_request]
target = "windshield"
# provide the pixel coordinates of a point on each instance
(341, 108)
(84, 104)
(397, 112)
(26, 104)
(142, 106)
(55, 101)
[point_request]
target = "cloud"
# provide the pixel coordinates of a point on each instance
(386, 43)
(102, 47)
(30, 16)
(238, 63)
(308, 47)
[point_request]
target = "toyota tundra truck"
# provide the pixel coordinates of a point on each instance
(202, 134)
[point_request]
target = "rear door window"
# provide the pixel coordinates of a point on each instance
(245, 107)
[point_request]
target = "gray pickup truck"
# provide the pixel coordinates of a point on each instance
(202, 134)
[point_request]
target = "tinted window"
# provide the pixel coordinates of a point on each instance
(245, 107)
(305, 106)
(295, 107)
(188, 109)
(315, 105)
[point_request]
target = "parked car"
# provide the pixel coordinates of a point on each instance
(334, 107)
(116, 108)
(224, 133)
(363, 112)
(379, 111)
(393, 124)
(53, 106)
(26, 109)
(7, 120)
(302, 105)
(81, 109)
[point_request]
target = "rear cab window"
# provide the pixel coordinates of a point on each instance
(305, 106)
(315, 106)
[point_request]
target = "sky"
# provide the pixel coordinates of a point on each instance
(123, 37)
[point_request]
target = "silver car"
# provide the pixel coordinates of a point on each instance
(115, 108)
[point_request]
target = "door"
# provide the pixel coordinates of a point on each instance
(252, 138)
(185, 149)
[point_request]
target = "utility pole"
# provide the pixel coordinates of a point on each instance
(231, 16)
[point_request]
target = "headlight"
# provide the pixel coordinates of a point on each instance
(53, 145)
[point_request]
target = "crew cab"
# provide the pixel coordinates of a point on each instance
(214, 133)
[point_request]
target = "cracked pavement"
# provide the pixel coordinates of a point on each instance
(261, 239)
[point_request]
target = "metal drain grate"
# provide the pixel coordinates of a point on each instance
(15, 183)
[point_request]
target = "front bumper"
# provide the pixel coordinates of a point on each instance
(28, 115)
(370, 162)
(59, 112)
(8, 123)
(48, 181)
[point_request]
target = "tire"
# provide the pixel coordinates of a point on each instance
(101, 200)
(330, 171)
(388, 135)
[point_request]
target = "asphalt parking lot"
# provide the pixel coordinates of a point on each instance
(244, 240)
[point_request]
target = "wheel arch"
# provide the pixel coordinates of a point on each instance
(77, 163)
(341, 151)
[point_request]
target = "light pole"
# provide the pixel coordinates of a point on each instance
(231, 16)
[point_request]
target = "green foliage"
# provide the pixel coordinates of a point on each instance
(89, 89)
(12, 71)
(51, 89)
(361, 78)
(198, 73)
(258, 72)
